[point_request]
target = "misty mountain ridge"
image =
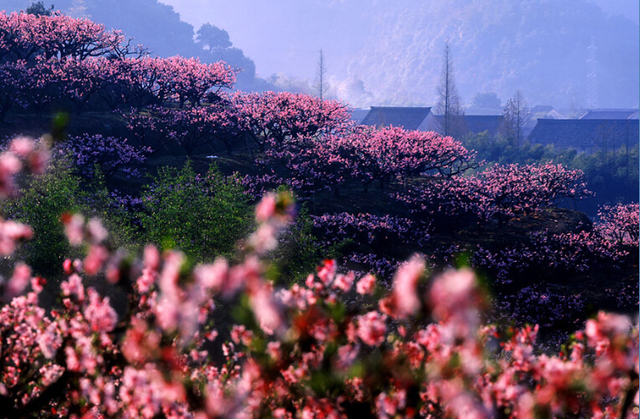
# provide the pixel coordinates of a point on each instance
(540, 47)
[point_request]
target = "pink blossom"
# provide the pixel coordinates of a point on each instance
(73, 363)
(388, 405)
(74, 228)
(146, 280)
(347, 354)
(248, 274)
(212, 276)
(151, 257)
(10, 233)
(73, 287)
(22, 146)
(100, 315)
(9, 166)
(95, 259)
(264, 306)
(239, 333)
(327, 272)
(19, 280)
(372, 328)
(404, 301)
(273, 350)
(37, 283)
(50, 341)
(50, 373)
(604, 329)
(140, 343)
(38, 160)
(264, 239)
(67, 267)
(451, 292)
(366, 284)
(344, 282)
(97, 232)
(168, 313)
(266, 208)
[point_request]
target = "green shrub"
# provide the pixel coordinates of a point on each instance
(41, 204)
(298, 252)
(204, 216)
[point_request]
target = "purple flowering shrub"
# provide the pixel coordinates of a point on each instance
(109, 154)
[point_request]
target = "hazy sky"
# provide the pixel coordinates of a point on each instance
(282, 36)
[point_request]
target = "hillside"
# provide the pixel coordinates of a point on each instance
(518, 279)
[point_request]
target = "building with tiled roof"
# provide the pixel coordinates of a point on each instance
(409, 118)
(421, 118)
(586, 135)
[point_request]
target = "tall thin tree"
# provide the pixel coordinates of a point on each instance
(516, 115)
(448, 100)
(321, 77)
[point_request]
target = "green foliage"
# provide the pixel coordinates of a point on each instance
(43, 201)
(119, 222)
(500, 149)
(612, 175)
(204, 216)
(298, 252)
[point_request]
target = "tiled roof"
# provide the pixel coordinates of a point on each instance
(359, 114)
(585, 134)
(409, 118)
(611, 114)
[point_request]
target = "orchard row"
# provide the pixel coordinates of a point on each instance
(56, 59)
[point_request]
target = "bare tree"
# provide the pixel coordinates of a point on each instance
(321, 77)
(516, 115)
(448, 100)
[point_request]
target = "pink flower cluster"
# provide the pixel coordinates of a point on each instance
(22, 154)
(499, 192)
(328, 159)
(619, 223)
(326, 348)
(48, 58)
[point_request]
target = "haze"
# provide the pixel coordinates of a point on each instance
(568, 54)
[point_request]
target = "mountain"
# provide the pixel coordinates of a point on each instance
(544, 48)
